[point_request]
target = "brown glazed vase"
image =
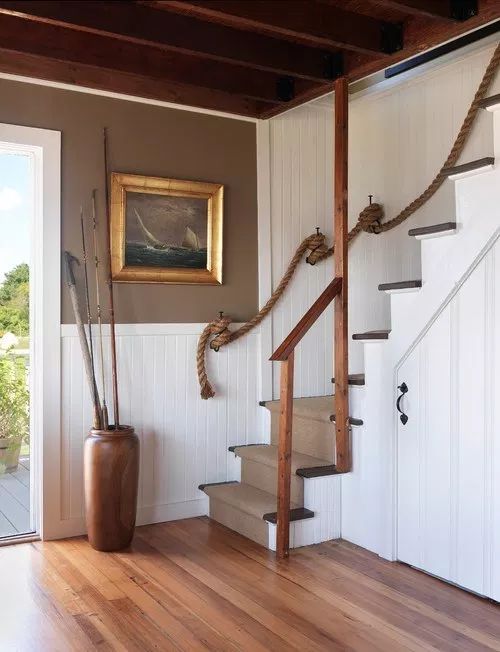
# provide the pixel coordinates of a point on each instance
(111, 478)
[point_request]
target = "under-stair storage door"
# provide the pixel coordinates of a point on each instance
(425, 453)
(449, 449)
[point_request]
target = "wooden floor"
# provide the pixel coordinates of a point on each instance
(194, 585)
(15, 500)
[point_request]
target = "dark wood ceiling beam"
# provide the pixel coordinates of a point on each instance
(29, 65)
(142, 24)
(297, 20)
(55, 42)
(440, 9)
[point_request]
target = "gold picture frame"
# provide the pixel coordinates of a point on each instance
(158, 233)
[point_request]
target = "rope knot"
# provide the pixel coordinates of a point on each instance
(370, 218)
(316, 245)
(219, 328)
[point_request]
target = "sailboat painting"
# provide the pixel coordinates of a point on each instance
(166, 231)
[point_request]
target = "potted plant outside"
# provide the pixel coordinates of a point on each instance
(14, 410)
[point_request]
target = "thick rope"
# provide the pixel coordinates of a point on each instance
(369, 221)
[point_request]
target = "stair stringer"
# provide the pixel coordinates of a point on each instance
(369, 492)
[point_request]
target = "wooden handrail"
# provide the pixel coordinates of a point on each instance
(318, 307)
(285, 353)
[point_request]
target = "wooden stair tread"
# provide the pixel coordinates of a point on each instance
(355, 379)
(251, 500)
(435, 228)
(267, 454)
(471, 166)
(490, 101)
(318, 408)
(400, 285)
(371, 335)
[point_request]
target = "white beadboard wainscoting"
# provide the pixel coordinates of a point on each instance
(400, 133)
(184, 439)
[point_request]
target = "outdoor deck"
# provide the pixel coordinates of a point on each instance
(15, 500)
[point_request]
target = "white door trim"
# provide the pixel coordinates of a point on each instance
(45, 147)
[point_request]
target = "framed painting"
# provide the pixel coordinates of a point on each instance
(165, 230)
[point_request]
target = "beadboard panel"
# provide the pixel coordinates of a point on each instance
(449, 452)
(400, 133)
(184, 440)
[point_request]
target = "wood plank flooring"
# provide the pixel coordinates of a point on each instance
(194, 585)
(15, 500)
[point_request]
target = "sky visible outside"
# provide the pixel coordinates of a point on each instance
(15, 209)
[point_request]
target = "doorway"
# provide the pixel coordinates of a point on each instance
(29, 328)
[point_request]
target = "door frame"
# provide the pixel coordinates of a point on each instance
(44, 145)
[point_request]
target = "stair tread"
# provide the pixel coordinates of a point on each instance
(400, 285)
(372, 335)
(490, 101)
(355, 379)
(314, 407)
(268, 454)
(435, 228)
(246, 498)
(470, 166)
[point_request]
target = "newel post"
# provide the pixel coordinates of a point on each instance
(342, 431)
(285, 457)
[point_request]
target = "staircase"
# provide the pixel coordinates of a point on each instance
(248, 504)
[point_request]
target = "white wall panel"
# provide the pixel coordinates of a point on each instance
(400, 134)
(184, 440)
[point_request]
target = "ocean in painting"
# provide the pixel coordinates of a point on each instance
(138, 254)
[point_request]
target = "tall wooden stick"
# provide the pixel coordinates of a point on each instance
(105, 419)
(84, 345)
(342, 432)
(96, 400)
(110, 287)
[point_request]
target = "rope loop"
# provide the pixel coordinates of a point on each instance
(370, 218)
(317, 245)
(220, 328)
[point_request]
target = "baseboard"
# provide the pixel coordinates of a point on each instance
(75, 527)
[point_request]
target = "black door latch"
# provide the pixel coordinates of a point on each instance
(403, 388)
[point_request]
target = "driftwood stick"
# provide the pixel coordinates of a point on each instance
(84, 345)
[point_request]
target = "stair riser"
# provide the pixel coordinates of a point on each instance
(310, 436)
(247, 525)
(265, 477)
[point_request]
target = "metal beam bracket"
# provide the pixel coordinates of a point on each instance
(463, 9)
(285, 89)
(391, 38)
(333, 65)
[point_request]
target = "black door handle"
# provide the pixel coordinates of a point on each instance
(403, 388)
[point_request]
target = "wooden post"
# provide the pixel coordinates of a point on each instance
(342, 432)
(285, 458)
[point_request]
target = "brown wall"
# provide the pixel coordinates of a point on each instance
(155, 141)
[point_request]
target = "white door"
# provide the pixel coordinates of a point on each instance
(449, 450)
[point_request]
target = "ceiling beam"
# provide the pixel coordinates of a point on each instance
(296, 20)
(28, 65)
(142, 24)
(55, 42)
(440, 9)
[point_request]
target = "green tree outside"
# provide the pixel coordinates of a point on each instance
(14, 302)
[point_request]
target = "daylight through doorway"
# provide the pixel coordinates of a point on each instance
(16, 226)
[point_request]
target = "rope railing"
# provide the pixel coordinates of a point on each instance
(369, 221)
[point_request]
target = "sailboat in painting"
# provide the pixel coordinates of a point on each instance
(155, 252)
(190, 242)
